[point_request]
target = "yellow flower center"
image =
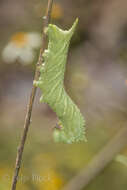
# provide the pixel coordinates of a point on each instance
(57, 11)
(20, 39)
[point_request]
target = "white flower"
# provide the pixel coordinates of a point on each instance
(21, 48)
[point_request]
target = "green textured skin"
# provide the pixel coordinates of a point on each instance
(51, 83)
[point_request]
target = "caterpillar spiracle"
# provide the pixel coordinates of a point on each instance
(51, 83)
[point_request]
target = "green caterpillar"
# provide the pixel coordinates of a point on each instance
(51, 82)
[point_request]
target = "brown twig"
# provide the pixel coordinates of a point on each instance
(99, 162)
(31, 99)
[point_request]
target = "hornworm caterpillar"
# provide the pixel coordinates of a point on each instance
(51, 83)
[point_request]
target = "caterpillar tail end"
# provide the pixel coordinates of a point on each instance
(60, 136)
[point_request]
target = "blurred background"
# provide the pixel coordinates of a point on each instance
(96, 79)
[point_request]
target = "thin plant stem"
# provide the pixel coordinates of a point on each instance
(46, 19)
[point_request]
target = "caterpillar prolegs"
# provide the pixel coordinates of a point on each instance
(51, 82)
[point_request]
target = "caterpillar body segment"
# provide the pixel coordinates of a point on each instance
(51, 83)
